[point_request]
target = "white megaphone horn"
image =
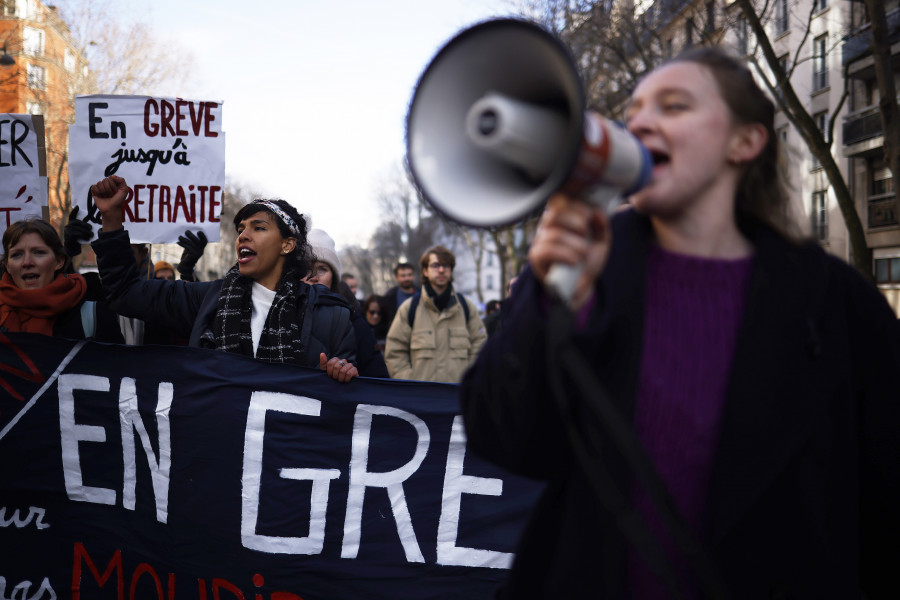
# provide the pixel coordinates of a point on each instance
(498, 123)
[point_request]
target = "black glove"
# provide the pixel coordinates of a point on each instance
(193, 249)
(74, 232)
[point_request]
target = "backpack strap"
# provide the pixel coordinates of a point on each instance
(411, 317)
(89, 318)
(465, 306)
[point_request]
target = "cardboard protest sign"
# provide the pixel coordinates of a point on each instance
(23, 168)
(168, 472)
(170, 151)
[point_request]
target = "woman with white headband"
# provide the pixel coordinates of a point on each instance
(262, 308)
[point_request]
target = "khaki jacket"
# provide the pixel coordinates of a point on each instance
(439, 346)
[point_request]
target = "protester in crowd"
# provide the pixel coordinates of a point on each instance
(38, 295)
(749, 378)
(262, 308)
(494, 319)
(326, 271)
(491, 316)
(405, 276)
(163, 270)
(350, 280)
(77, 230)
(374, 313)
(437, 334)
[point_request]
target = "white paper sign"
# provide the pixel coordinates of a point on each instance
(171, 153)
(22, 189)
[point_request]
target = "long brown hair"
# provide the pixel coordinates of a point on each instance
(762, 194)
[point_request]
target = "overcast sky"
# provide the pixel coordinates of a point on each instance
(315, 92)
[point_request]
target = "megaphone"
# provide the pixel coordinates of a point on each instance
(498, 123)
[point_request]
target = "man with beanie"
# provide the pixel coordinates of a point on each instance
(437, 333)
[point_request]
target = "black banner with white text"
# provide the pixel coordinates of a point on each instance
(163, 472)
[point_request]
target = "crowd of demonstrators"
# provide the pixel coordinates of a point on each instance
(373, 310)
(39, 294)
(261, 308)
(436, 333)
(751, 379)
(326, 271)
(405, 276)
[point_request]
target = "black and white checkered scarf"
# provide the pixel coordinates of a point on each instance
(280, 340)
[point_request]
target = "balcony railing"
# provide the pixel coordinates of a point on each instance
(882, 211)
(862, 126)
(859, 44)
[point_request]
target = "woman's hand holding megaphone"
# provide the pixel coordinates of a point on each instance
(571, 232)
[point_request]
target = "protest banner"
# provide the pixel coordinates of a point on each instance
(23, 168)
(170, 151)
(174, 473)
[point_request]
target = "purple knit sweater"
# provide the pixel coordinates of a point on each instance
(693, 311)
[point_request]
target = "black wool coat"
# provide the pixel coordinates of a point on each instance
(804, 497)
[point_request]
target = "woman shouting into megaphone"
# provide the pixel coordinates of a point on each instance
(262, 308)
(720, 416)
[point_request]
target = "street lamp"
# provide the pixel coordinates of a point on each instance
(6, 60)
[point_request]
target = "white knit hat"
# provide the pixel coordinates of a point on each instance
(323, 248)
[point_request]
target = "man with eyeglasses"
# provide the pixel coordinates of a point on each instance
(437, 333)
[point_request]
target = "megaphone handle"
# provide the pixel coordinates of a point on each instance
(563, 279)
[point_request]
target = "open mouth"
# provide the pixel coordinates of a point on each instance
(30, 277)
(245, 255)
(659, 157)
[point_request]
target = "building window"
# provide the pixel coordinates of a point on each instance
(881, 201)
(489, 281)
(34, 108)
(784, 65)
(822, 123)
(882, 181)
(820, 63)
(782, 133)
(819, 5)
(33, 41)
(820, 216)
(688, 32)
(781, 16)
(36, 77)
(887, 270)
(743, 45)
(69, 61)
(710, 16)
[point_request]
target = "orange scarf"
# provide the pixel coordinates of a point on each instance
(35, 311)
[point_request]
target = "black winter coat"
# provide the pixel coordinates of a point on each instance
(804, 498)
(188, 308)
(106, 323)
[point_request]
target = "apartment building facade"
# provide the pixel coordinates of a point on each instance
(41, 79)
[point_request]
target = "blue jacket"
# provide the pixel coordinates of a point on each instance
(805, 487)
(188, 308)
